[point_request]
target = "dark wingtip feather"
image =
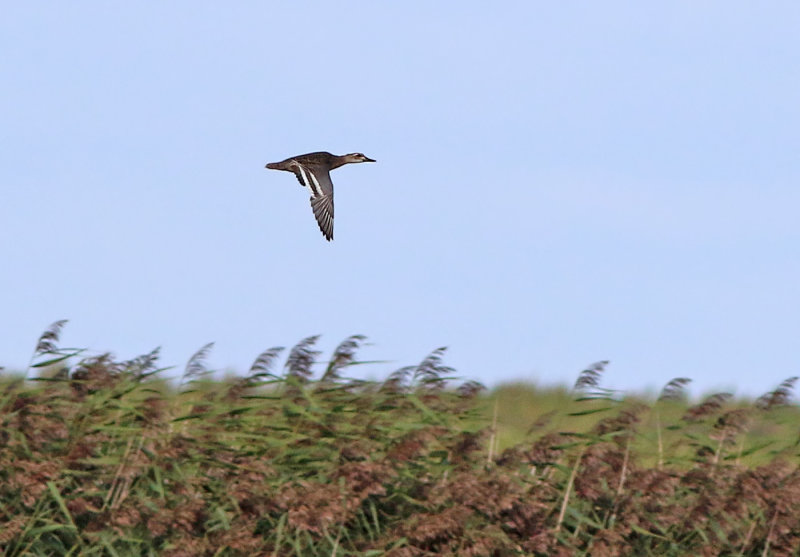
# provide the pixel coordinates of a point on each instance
(322, 206)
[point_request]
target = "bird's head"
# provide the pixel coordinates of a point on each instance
(358, 157)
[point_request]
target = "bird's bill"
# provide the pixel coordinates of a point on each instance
(367, 159)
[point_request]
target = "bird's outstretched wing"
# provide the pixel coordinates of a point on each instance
(322, 205)
(318, 182)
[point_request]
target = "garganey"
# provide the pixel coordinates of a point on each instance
(313, 172)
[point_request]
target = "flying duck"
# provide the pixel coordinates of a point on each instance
(313, 172)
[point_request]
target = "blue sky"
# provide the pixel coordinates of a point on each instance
(556, 184)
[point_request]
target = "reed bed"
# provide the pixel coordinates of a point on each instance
(106, 457)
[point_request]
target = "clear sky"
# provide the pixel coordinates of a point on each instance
(557, 183)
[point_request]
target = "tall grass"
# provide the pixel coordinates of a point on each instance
(105, 457)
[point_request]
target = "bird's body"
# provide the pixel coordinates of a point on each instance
(313, 172)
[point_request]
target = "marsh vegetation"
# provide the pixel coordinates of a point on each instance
(107, 457)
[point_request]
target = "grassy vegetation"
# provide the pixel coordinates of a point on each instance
(104, 457)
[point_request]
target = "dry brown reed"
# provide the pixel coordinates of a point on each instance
(108, 458)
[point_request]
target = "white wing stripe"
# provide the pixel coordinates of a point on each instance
(309, 180)
(304, 176)
(315, 188)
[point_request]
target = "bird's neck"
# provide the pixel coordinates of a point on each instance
(338, 160)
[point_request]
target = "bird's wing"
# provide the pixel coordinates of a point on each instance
(319, 183)
(295, 167)
(322, 205)
(322, 201)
